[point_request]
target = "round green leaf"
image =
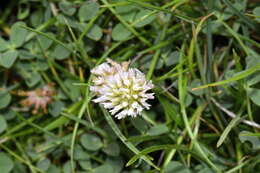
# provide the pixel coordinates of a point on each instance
(5, 99)
(158, 130)
(116, 163)
(91, 142)
(176, 167)
(67, 167)
(140, 124)
(88, 11)
(8, 58)
(3, 44)
(112, 149)
(60, 53)
(54, 169)
(9, 114)
(18, 34)
(23, 10)
(252, 139)
(6, 164)
(206, 170)
(44, 164)
(104, 168)
(44, 41)
(25, 55)
(80, 154)
(188, 100)
(173, 58)
(67, 8)
(19, 168)
(254, 95)
(36, 18)
(195, 83)
(85, 164)
(143, 18)
(56, 107)
(67, 21)
(74, 91)
(95, 33)
(256, 12)
(253, 78)
(120, 32)
(3, 124)
(136, 171)
(33, 78)
(127, 12)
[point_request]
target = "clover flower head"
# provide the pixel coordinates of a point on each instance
(120, 89)
(38, 98)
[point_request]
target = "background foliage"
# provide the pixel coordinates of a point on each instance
(203, 57)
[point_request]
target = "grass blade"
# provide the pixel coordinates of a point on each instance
(225, 133)
(124, 139)
(238, 76)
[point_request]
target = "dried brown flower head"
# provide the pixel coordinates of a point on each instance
(38, 98)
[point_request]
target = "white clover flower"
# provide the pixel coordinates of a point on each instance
(120, 89)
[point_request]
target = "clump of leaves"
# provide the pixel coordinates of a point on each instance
(39, 98)
(202, 57)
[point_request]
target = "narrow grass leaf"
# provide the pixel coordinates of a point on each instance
(49, 37)
(159, 147)
(124, 139)
(236, 77)
(225, 133)
(170, 110)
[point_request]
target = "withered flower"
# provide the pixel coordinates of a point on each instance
(38, 98)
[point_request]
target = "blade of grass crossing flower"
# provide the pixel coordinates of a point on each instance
(119, 134)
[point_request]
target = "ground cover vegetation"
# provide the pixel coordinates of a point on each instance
(201, 56)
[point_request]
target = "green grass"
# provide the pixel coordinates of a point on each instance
(202, 57)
